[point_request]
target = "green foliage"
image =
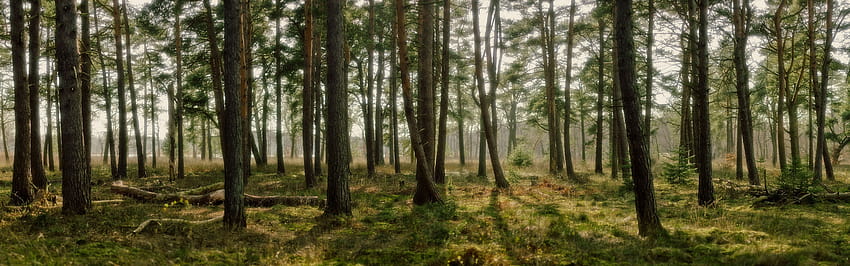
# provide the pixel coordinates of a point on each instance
(520, 157)
(681, 169)
(796, 178)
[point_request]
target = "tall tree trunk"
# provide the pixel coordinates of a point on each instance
(482, 150)
(394, 102)
(122, 97)
(547, 30)
(824, 84)
(379, 109)
(140, 147)
(489, 131)
(278, 60)
(600, 92)
(369, 121)
(741, 18)
(648, 222)
(247, 73)
(231, 129)
(85, 80)
(152, 110)
(307, 97)
(339, 197)
(568, 155)
(48, 136)
(426, 191)
(440, 168)
(178, 117)
(76, 183)
(425, 96)
(39, 178)
(650, 75)
(107, 98)
(781, 80)
(22, 192)
(702, 125)
(215, 64)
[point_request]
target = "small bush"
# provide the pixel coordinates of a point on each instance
(796, 178)
(681, 169)
(520, 158)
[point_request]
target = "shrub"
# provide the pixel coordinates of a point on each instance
(680, 170)
(520, 158)
(796, 178)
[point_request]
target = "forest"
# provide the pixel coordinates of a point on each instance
(450, 132)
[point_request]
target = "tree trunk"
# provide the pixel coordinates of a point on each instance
(600, 92)
(827, 61)
(39, 178)
(782, 84)
(85, 80)
(231, 129)
(425, 96)
(107, 98)
(482, 151)
(22, 192)
(369, 122)
(650, 75)
(178, 47)
(278, 59)
(440, 168)
(307, 97)
(140, 147)
(426, 191)
(394, 103)
(741, 18)
(702, 125)
(76, 182)
(547, 30)
(489, 131)
(568, 155)
(339, 197)
(122, 97)
(648, 222)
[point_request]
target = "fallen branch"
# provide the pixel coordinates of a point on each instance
(215, 197)
(172, 220)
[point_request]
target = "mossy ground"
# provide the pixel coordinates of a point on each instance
(541, 220)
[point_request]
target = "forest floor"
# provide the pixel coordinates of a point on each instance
(540, 220)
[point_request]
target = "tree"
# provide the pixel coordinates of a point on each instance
(547, 32)
(648, 222)
(231, 130)
(76, 182)
(425, 92)
(178, 99)
(39, 179)
(278, 59)
(440, 167)
(22, 192)
(122, 97)
(600, 89)
(307, 97)
(370, 141)
(489, 131)
(822, 93)
(568, 155)
(85, 78)
(741, 22)
(702, 125)
(339, 197)
(426, 191)
(140, 148)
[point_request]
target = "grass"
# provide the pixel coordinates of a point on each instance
(540, 220)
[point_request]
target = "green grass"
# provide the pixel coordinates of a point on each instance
(540, 220)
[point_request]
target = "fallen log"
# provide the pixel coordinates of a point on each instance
(163, 220)
(215, 197)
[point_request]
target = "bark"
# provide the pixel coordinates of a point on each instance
(650, 75)
(489, 131)
(140, 147)
(213, 197)
(153, 116)
(215, 62)
(426, 191)
(39, 178)
(231, 130)
(76, 182)
(22, 191)
(600, 91)
(394, 157)
(440, 168)
(247, 89)
(278, 59)
(107, 98)
(339, 197)
(307, 97)
(369, 121)
(821, 106)
(425, 94)
(741, 18)
(122, 98)
(178, 115)
(648, 222)
(782, 82)
(482, 150)
(702, 125)
(568, 155)
(85, 80)
(379, 112)
(556, 163)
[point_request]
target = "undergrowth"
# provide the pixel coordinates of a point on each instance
(541, 220)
